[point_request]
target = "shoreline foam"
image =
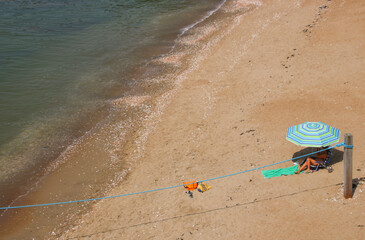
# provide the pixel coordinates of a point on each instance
(202, 133)
(232, 112)
(118, 149)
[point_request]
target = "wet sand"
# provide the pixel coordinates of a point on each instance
(274, 65)
(279, 65)
(100, 159)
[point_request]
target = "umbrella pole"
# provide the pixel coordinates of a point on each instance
(347, 193)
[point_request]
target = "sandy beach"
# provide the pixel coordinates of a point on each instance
(268, 66)
(280, 64)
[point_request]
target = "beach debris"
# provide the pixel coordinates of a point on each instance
(190, 194)
(190, 186)
(248, 131)
(202, 187)
(323, 6)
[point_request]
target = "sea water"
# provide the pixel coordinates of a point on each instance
(59, 60)
(78, 79)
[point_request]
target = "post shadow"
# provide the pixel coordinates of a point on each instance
(356, 182)
(337, 156)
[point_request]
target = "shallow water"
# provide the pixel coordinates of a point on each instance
(61, 60)
(62, 63)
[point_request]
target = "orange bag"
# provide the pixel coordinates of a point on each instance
(190, 185)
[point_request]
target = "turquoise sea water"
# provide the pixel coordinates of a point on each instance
(62, 65)
(58, 58)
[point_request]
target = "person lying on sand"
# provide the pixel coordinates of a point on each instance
(314, 161)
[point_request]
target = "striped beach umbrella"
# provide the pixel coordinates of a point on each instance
(313, 134)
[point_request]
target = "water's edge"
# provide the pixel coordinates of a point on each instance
(117, 136)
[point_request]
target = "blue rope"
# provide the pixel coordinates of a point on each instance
(165, 188)
(344, 145)
(269, 165)
(91, 199)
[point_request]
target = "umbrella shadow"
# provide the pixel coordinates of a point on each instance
(337, 155)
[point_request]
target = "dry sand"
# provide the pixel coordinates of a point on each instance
(284, 63)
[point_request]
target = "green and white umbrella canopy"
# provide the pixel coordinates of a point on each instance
(313, 134)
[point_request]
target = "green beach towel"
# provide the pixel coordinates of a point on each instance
(280, 171)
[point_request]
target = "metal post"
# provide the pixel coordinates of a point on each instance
(347, 156)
